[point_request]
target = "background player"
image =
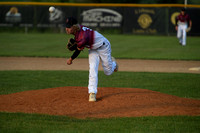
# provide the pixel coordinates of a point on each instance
(183, 21)
(99, 48)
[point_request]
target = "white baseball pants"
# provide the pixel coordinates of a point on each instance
(181, 33)
(103, 53)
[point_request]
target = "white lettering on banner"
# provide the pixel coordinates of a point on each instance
(101, 17)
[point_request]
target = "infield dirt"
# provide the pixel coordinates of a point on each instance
(134, 65)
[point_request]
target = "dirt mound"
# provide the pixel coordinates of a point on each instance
(112, 102)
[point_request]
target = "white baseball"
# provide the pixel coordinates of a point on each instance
(51, 9)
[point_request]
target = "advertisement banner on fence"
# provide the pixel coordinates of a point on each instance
(16, 16)
(56, 18)
(101, 17)
(47, 19)
(129, 20)
(145, 20)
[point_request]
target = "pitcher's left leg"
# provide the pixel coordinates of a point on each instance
(93, 71)
(184, 35)
(108, 64)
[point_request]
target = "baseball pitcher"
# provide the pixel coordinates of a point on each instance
(99, 49)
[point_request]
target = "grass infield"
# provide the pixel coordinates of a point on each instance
(123, 46)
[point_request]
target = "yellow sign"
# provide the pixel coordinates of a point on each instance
(173, 17)
(144, 21)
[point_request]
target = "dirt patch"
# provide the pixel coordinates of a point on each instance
(111, 102)
(30, 63)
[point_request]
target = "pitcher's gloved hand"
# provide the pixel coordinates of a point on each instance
(72, 45)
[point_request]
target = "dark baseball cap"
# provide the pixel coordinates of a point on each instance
(183, 9)
(70, 21)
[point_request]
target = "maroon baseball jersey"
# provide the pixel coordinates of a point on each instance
(183, 18)
(88, 38)
(84, 37)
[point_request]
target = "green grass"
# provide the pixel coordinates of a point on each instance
(179, 84)
(23, 123)
(123, 46)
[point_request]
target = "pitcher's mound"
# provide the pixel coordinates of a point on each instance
(111, 102)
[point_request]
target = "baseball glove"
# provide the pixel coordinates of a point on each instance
(72, 45)
(188, 29)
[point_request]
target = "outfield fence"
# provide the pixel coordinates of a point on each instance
(150, 19)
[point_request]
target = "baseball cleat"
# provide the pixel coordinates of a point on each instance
(92, 97)
(116, 68)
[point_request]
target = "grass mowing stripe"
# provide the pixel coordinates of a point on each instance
(179, 84)
(123, 46)
(19, 122)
